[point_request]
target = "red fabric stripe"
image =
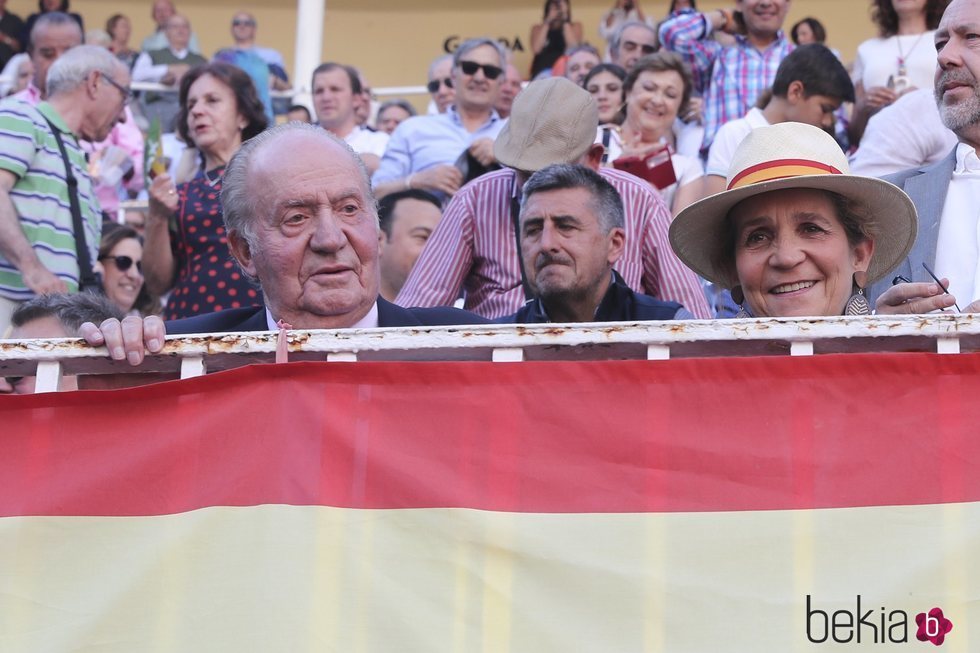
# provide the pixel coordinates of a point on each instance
(681, 435)
(779, 163)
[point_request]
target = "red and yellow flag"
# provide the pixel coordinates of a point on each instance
(742, 504)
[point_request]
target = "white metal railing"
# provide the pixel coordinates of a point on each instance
(384, 91)
(195, 355)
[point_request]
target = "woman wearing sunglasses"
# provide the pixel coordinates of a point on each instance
(121, 265)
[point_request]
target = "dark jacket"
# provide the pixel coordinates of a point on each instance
(253, 319)
(620, 304)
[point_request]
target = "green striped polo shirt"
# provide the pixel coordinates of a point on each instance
(29, 150)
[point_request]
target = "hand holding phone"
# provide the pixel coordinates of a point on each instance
(655, 167)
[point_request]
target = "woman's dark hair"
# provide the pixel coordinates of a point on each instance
(660, 62)
(548, 3)
(110, 25)
(63, 7)
(246, 97)
(617, 71)
(819, 33)
(886, 18)
(611, 68)
(113, 234)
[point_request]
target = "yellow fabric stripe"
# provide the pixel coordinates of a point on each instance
(777, 172)
(289, 578)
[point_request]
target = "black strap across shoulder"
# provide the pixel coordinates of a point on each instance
(86, 275)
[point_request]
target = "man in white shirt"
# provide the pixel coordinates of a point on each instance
(811, 83)
(946, 194)
(336, 88)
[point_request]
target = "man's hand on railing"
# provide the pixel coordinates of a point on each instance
(129, 339)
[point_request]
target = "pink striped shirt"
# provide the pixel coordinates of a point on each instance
(474, 249)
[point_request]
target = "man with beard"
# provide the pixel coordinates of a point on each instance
(946, 193)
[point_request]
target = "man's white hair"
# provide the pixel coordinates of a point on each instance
(74, 66)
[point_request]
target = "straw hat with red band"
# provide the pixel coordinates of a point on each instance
(791, 155)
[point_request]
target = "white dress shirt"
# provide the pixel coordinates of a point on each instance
(958, 245)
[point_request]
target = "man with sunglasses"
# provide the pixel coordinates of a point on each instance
(730, 77)
(53, 34)
(630, 42)
(88, 89)
(423, 150)
(440, 84)
(243, 28)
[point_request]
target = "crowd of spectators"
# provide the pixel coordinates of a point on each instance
(663, 112)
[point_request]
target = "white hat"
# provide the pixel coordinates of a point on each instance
(791, 155)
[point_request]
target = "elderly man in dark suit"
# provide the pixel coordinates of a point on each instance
(946, 193)
(302, 223)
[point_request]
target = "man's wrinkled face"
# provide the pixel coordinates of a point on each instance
(958, 66)
(476, 90)
(567, 253)
(315, 234)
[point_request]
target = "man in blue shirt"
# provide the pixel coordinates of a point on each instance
(422, 150)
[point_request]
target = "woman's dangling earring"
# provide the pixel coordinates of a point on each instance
(857, 303)
(739, 298)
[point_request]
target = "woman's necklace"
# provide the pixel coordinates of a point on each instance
(903, 70)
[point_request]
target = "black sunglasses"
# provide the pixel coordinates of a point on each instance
(239, 23)
(123, 263)
(434, 85)
(470, 68)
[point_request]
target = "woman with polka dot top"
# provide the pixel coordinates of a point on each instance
(186, 248)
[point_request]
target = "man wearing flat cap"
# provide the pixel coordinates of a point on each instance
(475, 249)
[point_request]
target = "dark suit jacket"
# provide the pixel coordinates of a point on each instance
(927, 187)
(253, 319)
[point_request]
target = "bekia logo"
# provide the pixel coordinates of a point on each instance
(877, 626)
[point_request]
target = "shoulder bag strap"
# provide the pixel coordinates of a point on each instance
(86, 276)
(515, 216)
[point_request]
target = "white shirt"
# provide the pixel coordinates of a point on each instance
(959, 229)
(877, 60)
(369, 321)
(728, 138)
(890, 145)
(145, 71)
(365, 141)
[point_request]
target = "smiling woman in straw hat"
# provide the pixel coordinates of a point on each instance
(795, 234)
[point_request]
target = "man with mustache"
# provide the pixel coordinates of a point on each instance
(572, 232)
(946, 193)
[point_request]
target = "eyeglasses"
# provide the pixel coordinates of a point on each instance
(434, 85)
(470, 68)
(240, 23)
(123, 263)
(646, 48)
(127, 93)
